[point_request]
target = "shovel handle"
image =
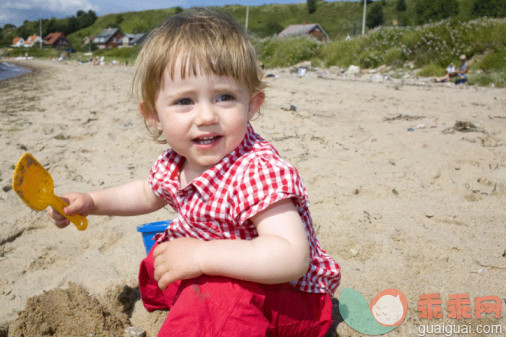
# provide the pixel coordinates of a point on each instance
(80, 221)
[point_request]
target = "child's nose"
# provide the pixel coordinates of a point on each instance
(207, 115)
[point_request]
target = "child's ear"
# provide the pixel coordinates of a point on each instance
(150, 115)
(255, 102)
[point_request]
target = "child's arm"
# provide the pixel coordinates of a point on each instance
(132, 198)
(279, 254)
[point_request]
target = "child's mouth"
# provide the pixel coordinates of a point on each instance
(205, 140)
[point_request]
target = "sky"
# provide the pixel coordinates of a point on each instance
(17, 11)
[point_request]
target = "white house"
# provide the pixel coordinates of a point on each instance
(32, 40)
(18, 42)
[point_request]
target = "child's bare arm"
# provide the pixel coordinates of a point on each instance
(133, 198)
(279, 254)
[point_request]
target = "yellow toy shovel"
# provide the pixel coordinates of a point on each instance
(34, 186)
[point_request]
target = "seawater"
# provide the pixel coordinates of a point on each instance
(8, 70)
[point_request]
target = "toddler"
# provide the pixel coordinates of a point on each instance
(241, 258)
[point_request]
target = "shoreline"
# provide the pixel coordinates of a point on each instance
(416, 210)
(11, 70)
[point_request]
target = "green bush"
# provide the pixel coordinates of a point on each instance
(493, 61)
(394, 56)
(340, 53)
(431, 69)
(47, 53)
(118, 54)
(275, 52)
(487, 79)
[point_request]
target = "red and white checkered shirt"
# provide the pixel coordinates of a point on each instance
(219, 203)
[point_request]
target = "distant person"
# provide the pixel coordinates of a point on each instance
(452, 72)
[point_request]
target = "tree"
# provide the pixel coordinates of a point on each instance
(118, 19)
(86, 20)
(311, 6)
(401, 5)
(434, 10)
(490, 8)
(179, 10)
(72, 25)
(375, 16)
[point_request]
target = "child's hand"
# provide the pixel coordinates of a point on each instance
(176, 260)
(78, 203)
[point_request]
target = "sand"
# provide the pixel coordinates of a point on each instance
(407, 182)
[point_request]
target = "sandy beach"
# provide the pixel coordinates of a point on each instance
(407, 183)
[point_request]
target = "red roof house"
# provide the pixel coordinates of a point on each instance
(18, 42)
(31, 40)
(57, 40)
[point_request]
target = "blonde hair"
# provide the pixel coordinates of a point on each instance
(204, 41)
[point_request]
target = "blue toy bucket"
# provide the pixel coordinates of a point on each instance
(149, 230)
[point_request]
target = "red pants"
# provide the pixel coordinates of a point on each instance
(220, 306)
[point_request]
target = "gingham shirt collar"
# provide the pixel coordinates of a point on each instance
(204, 183)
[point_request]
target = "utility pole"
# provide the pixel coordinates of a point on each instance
(246, 25)
(40, 31)
(363, 18)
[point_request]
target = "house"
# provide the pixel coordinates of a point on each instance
(311, 29)
(87, 41)
(130, 40)
(18, 42)
(57, 40)
(108, 38)
(32, 40)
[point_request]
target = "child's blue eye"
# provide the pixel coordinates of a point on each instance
(225, 98)
(184, 101)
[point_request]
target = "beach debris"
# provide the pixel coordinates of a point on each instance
(402, 117)
(411, 129)
(394, 191)
(376, 78)
(61, 136)
(301, 72)
(463, 126)
(352, 71)
(420, 126)
(353, 252)
(133, 331)
(291, 108)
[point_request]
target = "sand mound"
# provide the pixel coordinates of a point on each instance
(68, 312)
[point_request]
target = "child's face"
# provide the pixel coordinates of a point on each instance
(203, 117)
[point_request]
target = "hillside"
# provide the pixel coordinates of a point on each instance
(337, 18)
(430, 47)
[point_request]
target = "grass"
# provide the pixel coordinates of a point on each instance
(286, 52)
(120, 54)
